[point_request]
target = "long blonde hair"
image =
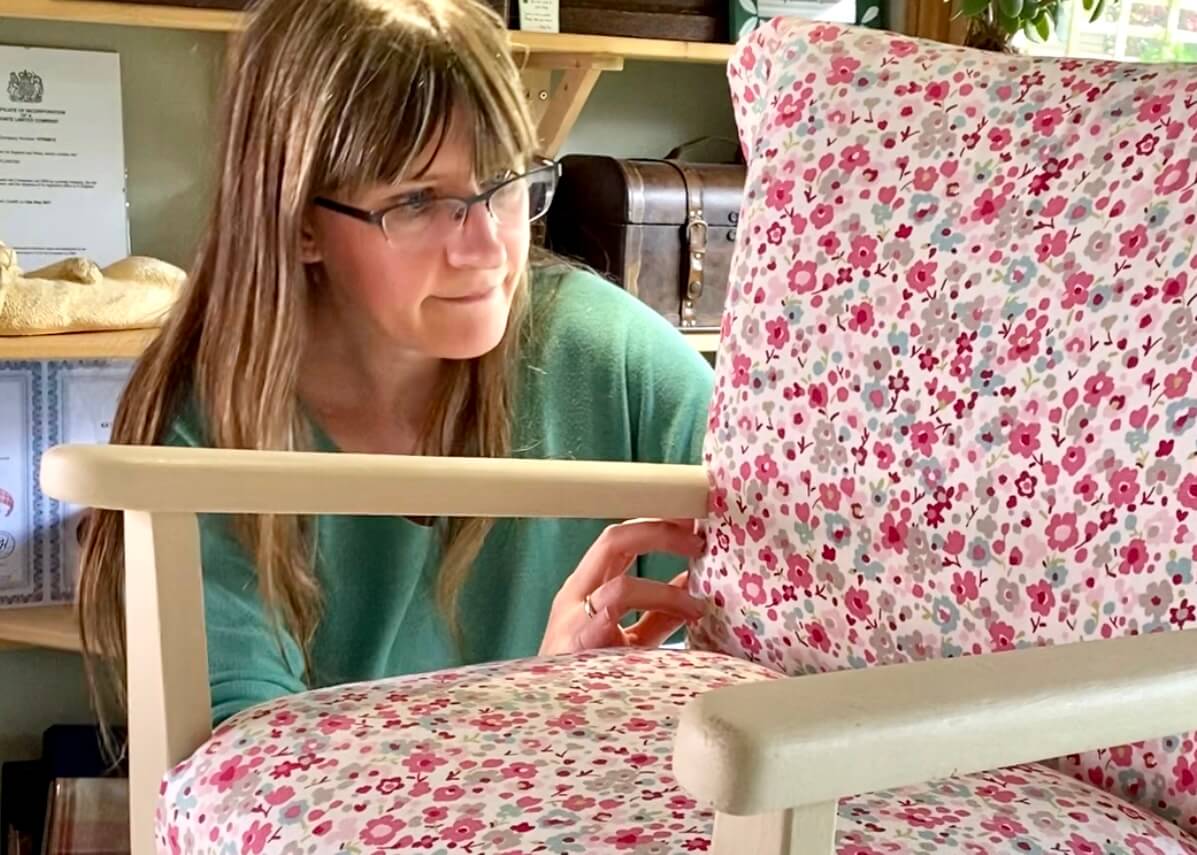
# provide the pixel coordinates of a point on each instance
(321, 96)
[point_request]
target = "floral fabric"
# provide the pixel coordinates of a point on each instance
(955, 410)
(567, 755)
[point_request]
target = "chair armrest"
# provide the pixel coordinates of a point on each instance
(209, 480)
(762, 747)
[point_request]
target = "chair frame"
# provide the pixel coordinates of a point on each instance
(739, 749)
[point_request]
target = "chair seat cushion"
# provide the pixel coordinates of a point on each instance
(562, 755)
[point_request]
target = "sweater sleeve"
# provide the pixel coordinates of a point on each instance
(250, 660)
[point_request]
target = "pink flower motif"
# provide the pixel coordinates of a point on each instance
(231, 771)
(1156, 108)
(925, 178)
(1024, 439)
(1086, 488)
(766, 467)
(1133, 241)
(1024, 343)
(253, 841)
(1134, 557)
(1124, 486)
(1047, 120)
(843, 69)
(423, 762)
(1004, 827)
(748, 641)
(789, 110)
(1042, 597)
(829, 495)
(1062, 532)
(921, 276)
(333, 723)
(1076, 290)
(1097, 387)
(1184, 774)
(1174, 287)
(449, 793)
(741, 365)
(964, 587)
(817, 636)
(857, 602)
(862, 318)
(893, 533)
(522, 771)
(381, 831)
(1174, 178)
(822, 215)
(280, 796)
(798, 571)
(463, 830)
(923, 438)
(780, 194)
(779, 332)
(1002, 635)
(1074, 459)
(1052, 245)
(999, 138)
(752, 586)
(864, 251)
(854, 157)
(1176, 384)
(803, 277)
(1080, 846)
(885, 455)
(988, 206)
(1187, 494)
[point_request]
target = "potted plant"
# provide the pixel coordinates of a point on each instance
(993, 23)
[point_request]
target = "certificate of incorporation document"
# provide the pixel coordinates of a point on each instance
(62, 161)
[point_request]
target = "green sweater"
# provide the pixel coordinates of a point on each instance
(611, 380)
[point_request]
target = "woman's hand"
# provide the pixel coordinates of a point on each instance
(588, 608)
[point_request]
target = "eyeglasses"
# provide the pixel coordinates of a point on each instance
(510, 200)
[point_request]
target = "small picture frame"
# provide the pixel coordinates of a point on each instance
(747, 15)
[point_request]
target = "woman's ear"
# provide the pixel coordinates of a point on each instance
(309, 246)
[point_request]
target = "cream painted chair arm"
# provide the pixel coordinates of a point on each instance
(204, 480)
(746, 749)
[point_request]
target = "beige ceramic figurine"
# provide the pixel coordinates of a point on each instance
(76, 295)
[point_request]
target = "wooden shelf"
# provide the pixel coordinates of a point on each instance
(121, 344)
(53, 627)
(217, 20)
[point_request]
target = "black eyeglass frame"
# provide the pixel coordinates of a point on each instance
(376, 217)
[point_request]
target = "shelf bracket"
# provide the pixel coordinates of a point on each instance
(557, 85)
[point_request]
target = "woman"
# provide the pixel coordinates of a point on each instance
(364, 285)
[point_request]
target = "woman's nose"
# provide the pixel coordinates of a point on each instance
(476, 241)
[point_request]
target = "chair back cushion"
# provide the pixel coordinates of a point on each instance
(955, 410)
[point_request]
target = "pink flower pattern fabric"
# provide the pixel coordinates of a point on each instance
(955, 409)
(564, 756)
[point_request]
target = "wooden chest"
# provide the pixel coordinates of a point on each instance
(663, 229)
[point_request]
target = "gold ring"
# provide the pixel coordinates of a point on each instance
(589, 607)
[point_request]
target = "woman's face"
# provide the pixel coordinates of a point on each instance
(434, 285)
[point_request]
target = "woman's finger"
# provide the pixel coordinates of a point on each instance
(620, 544)
(625, 594)
(599, 632)
(653, 630)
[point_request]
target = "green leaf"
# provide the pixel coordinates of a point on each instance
(1097, 10)
(975, 8)
(1013, 8)
(1043, 25)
